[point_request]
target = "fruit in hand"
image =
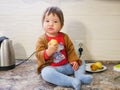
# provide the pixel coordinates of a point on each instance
(53, 42)
(99, 65)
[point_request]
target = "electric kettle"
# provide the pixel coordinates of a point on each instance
(7, 55)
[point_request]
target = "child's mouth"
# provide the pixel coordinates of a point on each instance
(51, 28)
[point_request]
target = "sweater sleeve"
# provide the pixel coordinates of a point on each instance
(41, 46)
(71, 53)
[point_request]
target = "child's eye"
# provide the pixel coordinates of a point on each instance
(55, 21)
(47, 20)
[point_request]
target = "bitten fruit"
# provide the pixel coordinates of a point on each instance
(53, 42)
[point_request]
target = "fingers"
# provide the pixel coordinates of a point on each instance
(52, 47)
(55, 46)
(75, 65)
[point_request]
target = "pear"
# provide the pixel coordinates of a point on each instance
(93, 67)
(99, 65)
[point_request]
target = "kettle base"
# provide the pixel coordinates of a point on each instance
(7, 67)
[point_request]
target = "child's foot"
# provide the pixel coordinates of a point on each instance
(76, 83)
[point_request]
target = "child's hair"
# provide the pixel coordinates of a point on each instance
(54, 10)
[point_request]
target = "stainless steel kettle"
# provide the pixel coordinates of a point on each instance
(7, 55)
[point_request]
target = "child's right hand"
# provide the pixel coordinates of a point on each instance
(52, 48)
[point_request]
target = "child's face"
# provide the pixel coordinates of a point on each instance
(51, 24)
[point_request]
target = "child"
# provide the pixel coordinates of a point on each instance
(58, 61)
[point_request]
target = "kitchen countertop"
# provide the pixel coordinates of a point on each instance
(24, 77)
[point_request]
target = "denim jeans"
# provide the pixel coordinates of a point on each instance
(60, 75)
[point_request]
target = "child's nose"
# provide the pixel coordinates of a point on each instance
(51, 23)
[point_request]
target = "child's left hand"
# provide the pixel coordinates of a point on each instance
(74, 65)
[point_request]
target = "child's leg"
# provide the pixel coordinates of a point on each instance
(80, 74)
(51, 75)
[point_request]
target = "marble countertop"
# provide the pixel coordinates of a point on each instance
(24, 77)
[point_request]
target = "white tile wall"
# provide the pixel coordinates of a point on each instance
(95, 23)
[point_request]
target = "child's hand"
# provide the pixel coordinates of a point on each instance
(75, 65)
(52, 48)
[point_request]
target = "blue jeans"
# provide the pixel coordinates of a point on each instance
(60, 75)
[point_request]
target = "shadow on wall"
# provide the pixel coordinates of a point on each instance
(20, 52)
(77, 32)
